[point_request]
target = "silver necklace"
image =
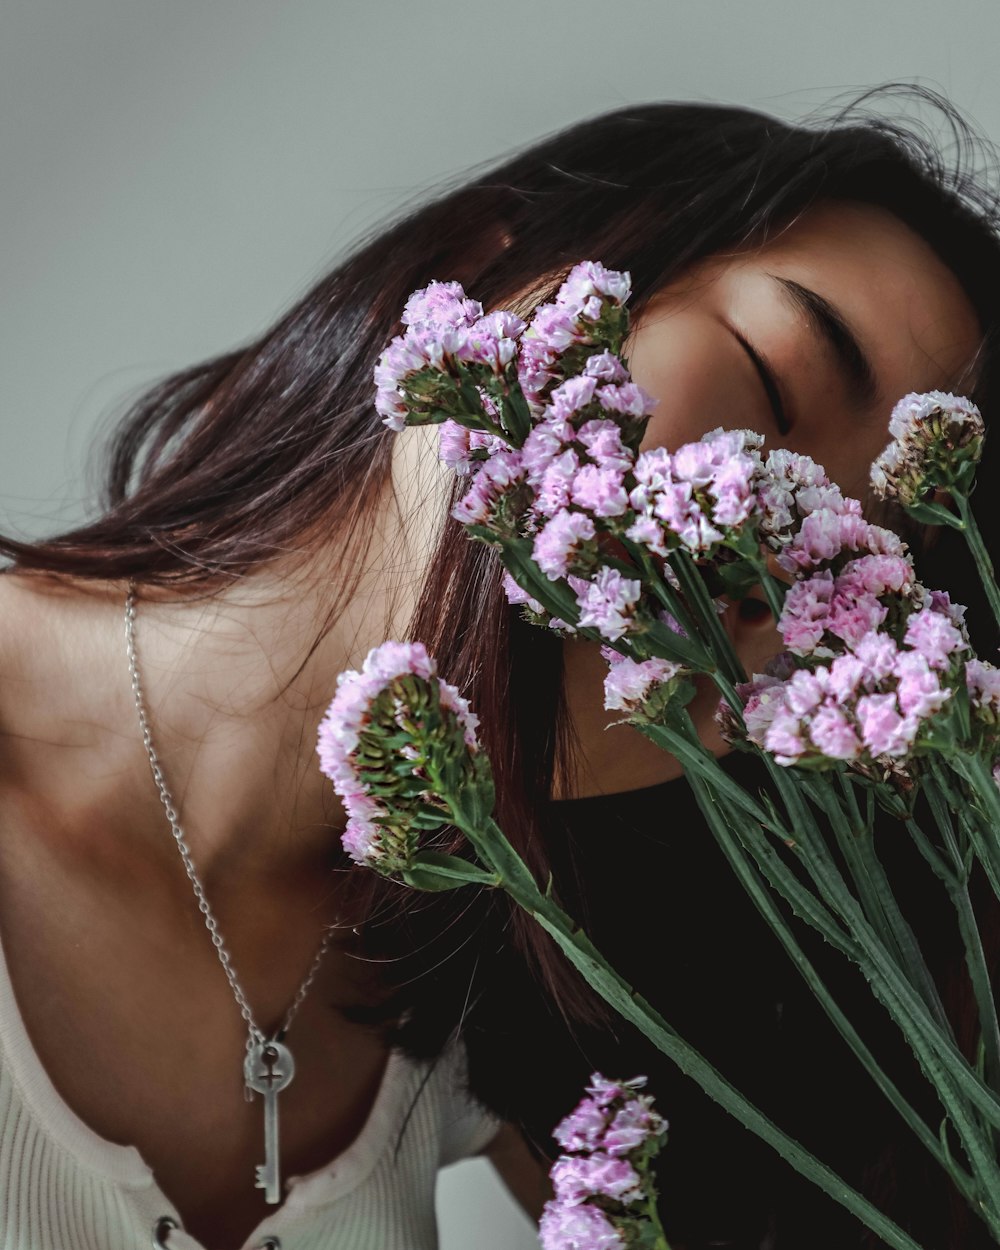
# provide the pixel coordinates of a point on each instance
(268, 1066)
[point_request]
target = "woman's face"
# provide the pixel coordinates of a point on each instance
(847, 310)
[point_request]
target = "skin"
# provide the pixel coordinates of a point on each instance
(916, 325)
(97, 918)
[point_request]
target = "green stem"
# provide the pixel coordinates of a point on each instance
(834, 891)
(850, 834)
(984, 565)
(740, 862)
(930, 854)
(975, 957)
(489, 841)
(695, 759)
(772, 588)
(653, 1215)
(985, 853)
(667, 596)
(979, 826)
(855, 838)
(956, 1082)
(695, 592)
(973, 770)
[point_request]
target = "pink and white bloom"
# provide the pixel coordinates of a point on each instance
(823, 613)
(457, 443)
(577, 1178)
(376, 833)
(602, 1182)
(492, 341)
(983, 683)
(602, 440)
(935, 636)
(599, 491)
(607, 602)
(696, 497)
(935, 437)
(874, 702)
(828, 533)
(630, 684)
(518, 596)
(787, 492)
(492, 483)
(577, 1226)
(558, 544)
(441, 305)
(574, 320)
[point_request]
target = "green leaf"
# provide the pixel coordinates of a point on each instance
(933, 514)
(737, 579)
(515, 415)
(965, 475)
(434, 872)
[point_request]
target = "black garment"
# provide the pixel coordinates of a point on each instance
(667, 911)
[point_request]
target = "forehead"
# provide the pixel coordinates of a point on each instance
(903, 302)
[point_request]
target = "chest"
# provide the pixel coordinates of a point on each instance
(127, 1010)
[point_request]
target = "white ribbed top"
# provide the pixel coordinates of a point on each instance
(63, 1187)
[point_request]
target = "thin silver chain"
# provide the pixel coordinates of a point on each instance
(255, 1034)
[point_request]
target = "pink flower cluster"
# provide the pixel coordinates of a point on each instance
(607, 601)
(695, 495)
(461, 448)
(823, 612)
(983, 684)
(610, 1139)
(575, 453)
(871, 701)
(493, 485)
(582, 315)
(791, 486)
(517, 595)
(373, 835)
(831, 529)
(576, 463)
(934, 436)
(444, 329)
(570, 479)
(586, 479)
(871, 655)
(631, 686)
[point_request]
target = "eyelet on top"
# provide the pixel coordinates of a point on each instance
(162, 1229)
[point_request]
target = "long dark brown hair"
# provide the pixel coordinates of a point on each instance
(274, 449)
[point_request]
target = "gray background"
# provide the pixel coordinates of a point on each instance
(176, 173)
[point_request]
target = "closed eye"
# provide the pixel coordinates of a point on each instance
(768, 381)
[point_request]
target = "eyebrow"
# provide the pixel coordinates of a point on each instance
(829, 324)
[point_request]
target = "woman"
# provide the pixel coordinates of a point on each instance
(796, 280)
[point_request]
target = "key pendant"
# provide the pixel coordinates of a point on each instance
(268, 1068)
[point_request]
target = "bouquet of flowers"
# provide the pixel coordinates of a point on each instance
(876, 699)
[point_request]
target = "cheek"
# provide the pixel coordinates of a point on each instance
(699, 374)
(839, 439)
(692, 366)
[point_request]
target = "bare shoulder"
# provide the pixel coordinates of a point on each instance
(35, 611)
(53, 653)
(520, 1169)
